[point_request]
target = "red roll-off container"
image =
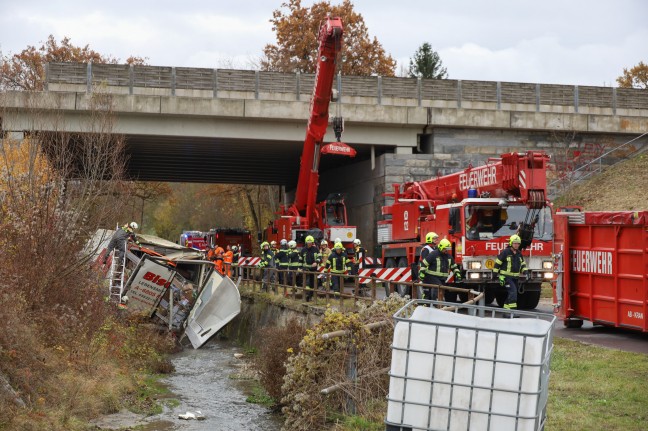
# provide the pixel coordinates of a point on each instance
(602, 268)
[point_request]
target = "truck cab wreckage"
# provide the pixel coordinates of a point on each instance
(171, 285)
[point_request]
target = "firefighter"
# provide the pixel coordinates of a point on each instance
(119, 239)
(294, 262)
(309, 256)
(357, 256)
(218, 258)
(508, 267)
(235, 259)
(282, 259)
(273, 247)
(431, 240)
(228, 258)
(267, 264)
(436, 267)
(324, 253)
(337, 264)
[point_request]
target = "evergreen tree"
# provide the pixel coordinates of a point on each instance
(426, 63)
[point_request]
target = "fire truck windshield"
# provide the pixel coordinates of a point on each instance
(489, 221)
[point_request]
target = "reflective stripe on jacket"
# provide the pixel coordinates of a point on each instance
(438, 264)
(338, 263)
(509, 263)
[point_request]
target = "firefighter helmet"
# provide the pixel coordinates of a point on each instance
(133, 225)
(431, 238)
(309, 238)
(357, 241)
(515, 239)
(338, 246)
(283, 242)
(444, 244)
(234, 248)
(264, 244)
(324, 242)
(292, 244)
(273, 243)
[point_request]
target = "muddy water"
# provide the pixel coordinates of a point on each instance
(202, 381)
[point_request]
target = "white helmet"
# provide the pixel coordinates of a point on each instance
(356, 241)
(292, 244)
(234, 248)
(337, 240)
(324, 242)
(273, 243)
(283, 242)
(133, 225)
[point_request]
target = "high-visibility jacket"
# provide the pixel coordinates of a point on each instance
(427, 249)
(294, 259)
(510, 263)
(338, 263)
(438, 264)
(267, 259)
(281, 257)
(324, 254)
(309, 256)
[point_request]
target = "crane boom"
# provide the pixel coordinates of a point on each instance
(330, 43)
(522, 176)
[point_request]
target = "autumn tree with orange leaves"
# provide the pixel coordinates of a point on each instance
(635, 77)
(297, 31)
(26, 70)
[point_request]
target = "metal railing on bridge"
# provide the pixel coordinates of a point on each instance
(229, 83)
(294, 284)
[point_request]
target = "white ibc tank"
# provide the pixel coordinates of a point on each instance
(452, 371)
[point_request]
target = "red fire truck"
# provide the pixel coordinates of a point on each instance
(305, 216)
(477, 209)
(193, 239)
(231, 236)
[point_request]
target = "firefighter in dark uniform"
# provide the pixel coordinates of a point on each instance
(309, 256)
(268, 265)
(338, 264)
(294, 262)
(281, 257)
(508, 267)
(436, 267)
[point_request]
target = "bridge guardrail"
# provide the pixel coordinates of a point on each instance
(409, 91)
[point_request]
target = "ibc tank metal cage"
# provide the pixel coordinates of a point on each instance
(468, 367)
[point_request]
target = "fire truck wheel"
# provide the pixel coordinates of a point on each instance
(528, 300)
(489, 296)
(500, 297)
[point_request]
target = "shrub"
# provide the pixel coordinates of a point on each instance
(278, 344)
(324, 363)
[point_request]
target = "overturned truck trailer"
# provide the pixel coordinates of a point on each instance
(602, 268)
(183, 295)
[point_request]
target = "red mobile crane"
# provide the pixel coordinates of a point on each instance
(304, 215)
(477, 209)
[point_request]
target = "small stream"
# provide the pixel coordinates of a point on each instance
(202, 382)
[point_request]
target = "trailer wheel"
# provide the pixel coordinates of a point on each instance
(573, 323)
(528, 300)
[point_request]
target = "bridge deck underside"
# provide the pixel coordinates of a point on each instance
(214, 160)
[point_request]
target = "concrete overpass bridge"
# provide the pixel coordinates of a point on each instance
(242, 126)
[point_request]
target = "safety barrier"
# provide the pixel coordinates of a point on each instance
(368, 285)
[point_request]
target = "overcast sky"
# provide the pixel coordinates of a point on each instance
(583, 42)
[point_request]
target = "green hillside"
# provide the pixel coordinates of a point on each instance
(623, 186)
